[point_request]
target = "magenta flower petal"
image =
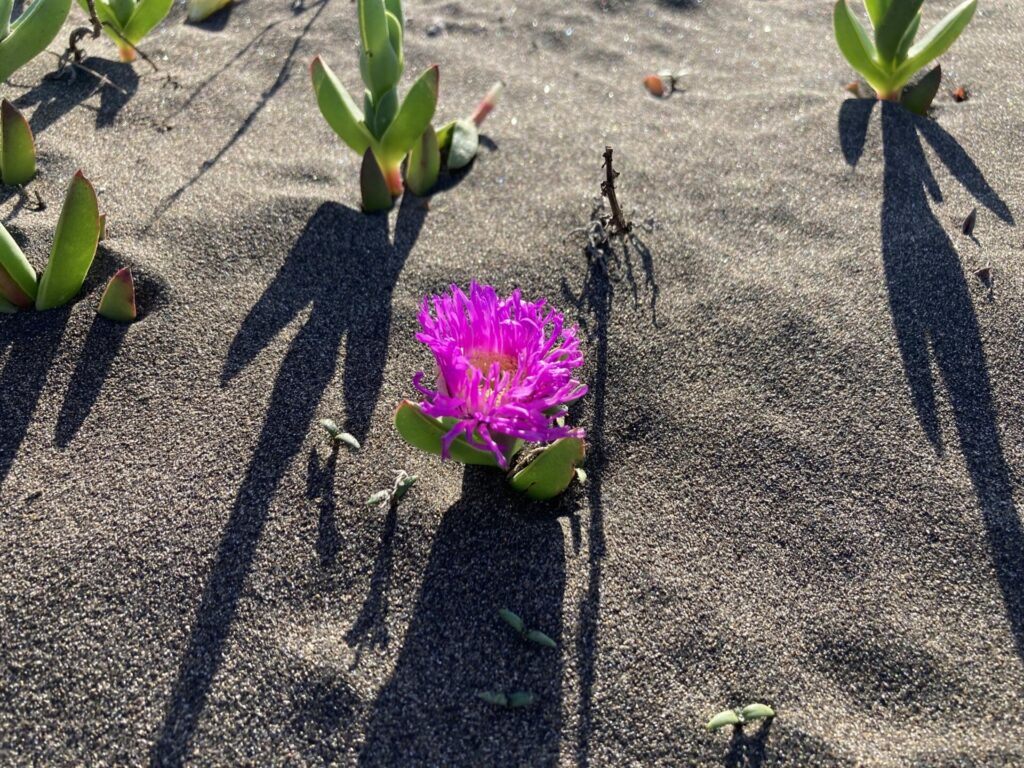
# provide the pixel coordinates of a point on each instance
(504, 368)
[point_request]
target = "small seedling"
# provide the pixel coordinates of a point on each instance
(969, 222)
(127, 22)
(891, 59)
(530, 635)
(118, 301)
(403, 484)
(748, 714)
(200, 10)
(74, 247)
(337, 436)
(517, 700)
(20, 42)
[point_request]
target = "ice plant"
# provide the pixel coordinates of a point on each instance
(200, 10)
(128, 21)
(385, 130)
(505, 370)
(20, 42)
(889, 61)
(74, 247)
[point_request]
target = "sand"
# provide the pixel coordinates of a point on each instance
(806, 413)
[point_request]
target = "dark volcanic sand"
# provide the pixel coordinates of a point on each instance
(806, 412)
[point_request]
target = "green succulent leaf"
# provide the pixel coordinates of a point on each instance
(497, 698)
(338, 108)
(876, 10)
(6, 307)
(6, 8)
(148, 13)
(385, 107)
(424, 164)
(756, 712)
(122, 10)
(118, 302)
(200, 10)
(30, 33)
(404, 485)
(396, 38)
(539, 638)
(918, 99)
(722, 719)
(373, 185)
(378, 498)
(520, 700)
(513, 620)
(17, 147)
(381, 70)
(551, 471)
(894, 26)
(855, 45)
(373, 26)
(394, 7)
(908, 39)
(413, 117)
(463, 145)
(425, 433)
(74, 246)
(17, 278)
(938, 40)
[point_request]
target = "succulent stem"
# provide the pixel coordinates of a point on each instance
(393, 176)
(893, 95)
(126, 52)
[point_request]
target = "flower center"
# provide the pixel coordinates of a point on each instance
(483, 359)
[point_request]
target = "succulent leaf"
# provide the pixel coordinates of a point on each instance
(513, 620)
(918, 99)
(17, 278)
(30, 33)
(463, 144)
(373, 26)
(118, 301)
(396, 38)
(413, 117)
(374, 187)
(520, 700)
(876, 10)
(756, 712)
(424, 164)
(908, 39)
(538, 637)
(722, 719)
(425, 433)
(856, 46)
(551, 471)
(200, 10)
(74, 246)
(6, 307)
(17, 147)
(894, 26)
(939, 39)
(394, 7)
(338, 108)
(497, 698)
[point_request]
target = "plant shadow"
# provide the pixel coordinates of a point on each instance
(53, 98)
(344, 268)
(492, 550)
(748, 747)
(934, 319)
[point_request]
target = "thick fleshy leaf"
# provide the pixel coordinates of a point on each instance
(425, 433)
(17, 147)
(894, 26)
(551, 471)
(118, 302)
(31, 32)
(855, 44)
(463, 145)
(424, 164)
(74, 246)
(396, 37)
(908, 39)
(6, 307)
(382, 70)
(938, 40)
(521, 700)
(757, 712)
(373, 25)
(122, 9)
(394, 7)
(722, 719)
(338, 108)
(385, 107)
(199, 10)
(918, 99)
(148, 13)
(6, 8)
(413, 117)
(373, 185)
(876, 10)
(513, 620)
(17, 278)
(538, 637)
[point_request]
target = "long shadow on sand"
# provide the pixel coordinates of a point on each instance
(345, 267)
(53, 98)
(933, 315)
(491, 550)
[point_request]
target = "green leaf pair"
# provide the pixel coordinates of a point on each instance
(547, 474)
(127, 22)
(74, 247)
(889, 61)
(384, 131)
(531, 635)
(739, 717)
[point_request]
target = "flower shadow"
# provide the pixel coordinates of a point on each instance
(492, 550)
